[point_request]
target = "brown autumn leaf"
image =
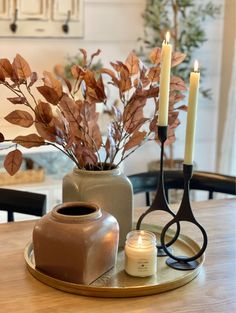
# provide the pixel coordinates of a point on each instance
(2, 76)
(125, 81)
(21, 67)
(29, 141)
(135, 140)
(52, 82)
(43, 112)
(183, 108)
(89, 79)
(17, 100)
(132, 63)
(176, 83)
(77, 72)
(145, 81)
(154, 74)
(95, 133)
(95, 54)
(111, 74)
(84, 52)
(13, 161)
(6, 67)
(177, 58)
(133, 117)
(20, 118)
(49, 94)
(71, 110)
(1, 137)
(46, 131)
(155, 56)
(33, 79)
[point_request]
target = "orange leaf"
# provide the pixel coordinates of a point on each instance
(52, 82)
(49, 94)
(155, 55)
(132, 62)
(13, 161)
(177, 58)
(176, 83)
(20, 117)
(154, 74)
(29, 141)
(17, 100)
(43, 112)
(84, 52)
(21, 67)
(2, 76)
(33, 78)
(6, 67)
(135, 140)
(1, 137)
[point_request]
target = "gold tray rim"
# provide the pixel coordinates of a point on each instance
(116, 292)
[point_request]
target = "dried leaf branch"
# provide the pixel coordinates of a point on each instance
(65, 116)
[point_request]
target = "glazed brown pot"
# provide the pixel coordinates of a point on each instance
(76, 242)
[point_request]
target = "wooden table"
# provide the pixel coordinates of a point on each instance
(214, 290)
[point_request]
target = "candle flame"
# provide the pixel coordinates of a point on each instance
(167, 37)
(140, 241)
(196, 66)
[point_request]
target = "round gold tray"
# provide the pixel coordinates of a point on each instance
(116, 283)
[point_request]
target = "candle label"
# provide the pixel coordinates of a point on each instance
(143, 265)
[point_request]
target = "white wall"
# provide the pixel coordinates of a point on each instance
(114, 26)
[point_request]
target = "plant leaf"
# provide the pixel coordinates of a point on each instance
(33, 79)
(2, 76)
(177, 58)
(176, 83)
(1, 137)
(49, 94)
(6, 67)
(17, 100)
(132, 63)
(154, 74)
(52, 82)
(29, 141)
(135, 140)
(21, 67)
(155, 56)
(13, 161)
(84, 52)
(43, 112)
(20, 118)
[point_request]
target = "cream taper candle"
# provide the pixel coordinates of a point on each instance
(192, 115)
(166, 53)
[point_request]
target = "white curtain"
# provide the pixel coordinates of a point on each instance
(228, 145)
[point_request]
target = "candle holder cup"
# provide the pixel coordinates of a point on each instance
(160, 202)
(184, 213)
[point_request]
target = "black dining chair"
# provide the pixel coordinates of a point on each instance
(22, 202)
(146, 182)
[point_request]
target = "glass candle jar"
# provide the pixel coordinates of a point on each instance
(140, 253)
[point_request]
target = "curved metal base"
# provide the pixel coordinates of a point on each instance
(161, 252)
(182, 265)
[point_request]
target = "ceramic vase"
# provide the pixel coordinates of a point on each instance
(76, 242)
(109, 189)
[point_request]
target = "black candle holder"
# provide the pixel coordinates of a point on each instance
(160, 203)
(184, 213)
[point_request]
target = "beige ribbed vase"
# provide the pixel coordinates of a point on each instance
(110, 189)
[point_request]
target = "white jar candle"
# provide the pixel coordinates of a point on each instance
(140, 253)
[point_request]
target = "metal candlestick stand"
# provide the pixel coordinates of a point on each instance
(160, 203)
(184, 214)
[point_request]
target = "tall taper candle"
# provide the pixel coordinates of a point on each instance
(192, 115)
(165, 81)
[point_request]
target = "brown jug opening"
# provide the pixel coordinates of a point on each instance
(76, 210)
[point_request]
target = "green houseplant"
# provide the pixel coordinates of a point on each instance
(66, 118)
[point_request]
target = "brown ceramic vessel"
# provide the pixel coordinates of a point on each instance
(76, 242)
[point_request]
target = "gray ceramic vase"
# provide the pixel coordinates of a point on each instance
(109, 189)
